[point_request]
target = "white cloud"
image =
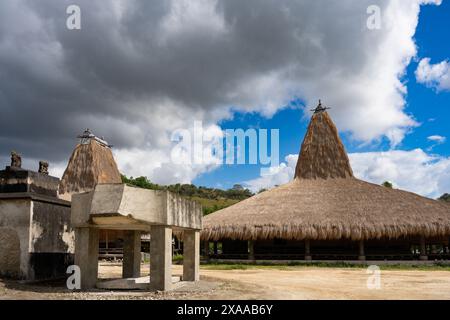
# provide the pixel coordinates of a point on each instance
(435, 76)
(278, 175)
(173, 164)
(437, 141)
(437, 138)
(414, 171)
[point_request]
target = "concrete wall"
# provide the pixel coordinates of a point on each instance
(50, 228)
(182, 212)
(51, 240)
(46, 240)
(9, 253)
(30, 209)
(15, 214)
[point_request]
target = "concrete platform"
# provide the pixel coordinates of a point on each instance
(120, 207)
(141, 283)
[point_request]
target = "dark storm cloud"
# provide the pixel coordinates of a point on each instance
(138, 67)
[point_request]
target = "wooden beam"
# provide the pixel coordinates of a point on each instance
(251, 250)
(361, 255)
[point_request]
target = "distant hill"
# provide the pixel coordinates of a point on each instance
(212, 199)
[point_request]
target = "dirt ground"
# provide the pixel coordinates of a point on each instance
(259, 283)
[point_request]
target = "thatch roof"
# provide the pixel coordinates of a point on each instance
(325, 201)
(91, 163)
(322, 154)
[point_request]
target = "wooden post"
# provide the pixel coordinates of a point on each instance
(361, 256)
(206, 249)
(423, 249)
(308, 250)
(215, 247)
(106, 237)
(251, 250)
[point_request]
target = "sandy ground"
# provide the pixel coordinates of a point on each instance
(335, 283)
(286, 283)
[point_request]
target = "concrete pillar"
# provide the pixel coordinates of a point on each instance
(86, 255)
(251, 250)
(423, 249)
(131, 266)
(308, 250)
(361, 255)
(161, 258)
(191, 255)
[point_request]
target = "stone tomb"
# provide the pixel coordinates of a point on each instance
(120, 207)
(36, 239)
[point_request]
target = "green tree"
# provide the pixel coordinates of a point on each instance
(445, 197)
(387, 184)
(190, 190)
(238, 187)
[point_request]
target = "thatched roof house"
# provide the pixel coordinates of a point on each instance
(326, 202)
(91, 163)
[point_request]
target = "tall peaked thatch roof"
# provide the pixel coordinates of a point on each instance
(325, 201)
(322, 154)
(91, 163)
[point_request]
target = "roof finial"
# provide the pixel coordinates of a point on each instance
(88, 136)
(320, 108)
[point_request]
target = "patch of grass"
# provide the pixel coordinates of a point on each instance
(297, 265)
(432, 267)
(177, 258)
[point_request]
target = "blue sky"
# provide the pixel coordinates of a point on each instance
(433, 40)
(431, 109)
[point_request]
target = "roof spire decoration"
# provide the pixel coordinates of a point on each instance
(320, 108)
(87, 136)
